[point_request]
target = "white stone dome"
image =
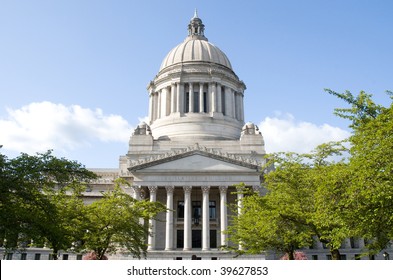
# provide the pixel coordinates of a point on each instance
(195, 49)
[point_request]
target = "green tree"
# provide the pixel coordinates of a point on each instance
(305, 199)
(39, 200)
(114, 222)
(371, 165)
(261, 228)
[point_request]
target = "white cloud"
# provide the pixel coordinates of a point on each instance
(284, 133)
(41, 126)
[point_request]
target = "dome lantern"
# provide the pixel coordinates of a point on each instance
(196, 28)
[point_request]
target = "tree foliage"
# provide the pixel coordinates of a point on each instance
(332, 200)
(371, 166)
(114, 222)
(38, 200)
(304, 200)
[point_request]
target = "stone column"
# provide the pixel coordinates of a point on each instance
(223, 214)
(228, 102)
(201, 99)
(213, 103)
(233, 103)
(241, 106)
(178, 100)
(173, 98)
(137, 192)
(169, 218)
(154, 94)
(190, 97)
(151, 241)
(187, 218)
(205, 219)
(219, 98)
(150, 108)
(159, 104)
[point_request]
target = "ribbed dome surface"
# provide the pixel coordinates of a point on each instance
(195, 50)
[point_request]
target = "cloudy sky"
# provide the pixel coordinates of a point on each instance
(73, 74)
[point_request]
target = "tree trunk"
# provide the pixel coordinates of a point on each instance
(335, 254)
(54, 255)
(291, 255)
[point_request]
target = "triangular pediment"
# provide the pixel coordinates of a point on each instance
(195, 159)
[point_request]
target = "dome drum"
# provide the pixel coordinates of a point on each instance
(196, 126)
(196, 93)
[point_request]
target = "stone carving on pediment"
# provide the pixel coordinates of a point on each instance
(236, 159)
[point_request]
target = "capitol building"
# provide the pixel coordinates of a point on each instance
(191, 154)
(194, 149)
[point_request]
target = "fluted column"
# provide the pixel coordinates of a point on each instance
(223, 214)
(179, 98)
(169, 218)
(154, 106)
(219, 98)
(137, 192)
(201, 99)
(233, 102)
(191, 98)
(213, 108)
(173, 98)
(241, 106)
(187, 218)
(159, 104)
(205, 219)
(151, 241)
(150, 107)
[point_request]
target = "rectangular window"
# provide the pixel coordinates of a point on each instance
(9, 256)
(23, 256)
(180, 239)
(79, 257)
(37, 256)
(205, 109)
(212, 210)
(197, 238)
(196, 102)
(213, 238)
(65, 257)
(223, 101)
(186, 102)
(196, 212)
(315, 257)
(180, 209)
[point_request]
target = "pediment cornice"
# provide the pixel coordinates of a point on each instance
(194, 150)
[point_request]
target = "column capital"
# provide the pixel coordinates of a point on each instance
(187, 189)
(223, 189)
(152, 189)
(170, 189)
(205, 189)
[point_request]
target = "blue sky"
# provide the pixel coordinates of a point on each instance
(73, 74)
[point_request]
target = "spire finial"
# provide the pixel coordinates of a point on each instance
(196, 28)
